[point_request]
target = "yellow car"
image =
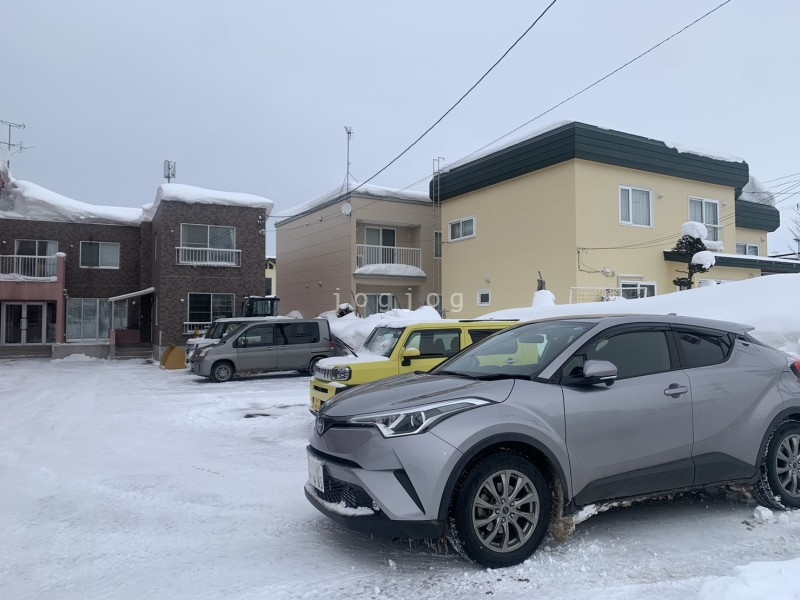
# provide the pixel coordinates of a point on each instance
(393, 349)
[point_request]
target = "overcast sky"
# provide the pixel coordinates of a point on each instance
(253, 96)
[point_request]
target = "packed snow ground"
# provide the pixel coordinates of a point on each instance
(124, 481)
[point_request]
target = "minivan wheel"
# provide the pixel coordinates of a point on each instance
(779, 486)
(222, 371)
(312, 363)
(501, 511)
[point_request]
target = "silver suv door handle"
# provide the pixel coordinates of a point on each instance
(675, 390)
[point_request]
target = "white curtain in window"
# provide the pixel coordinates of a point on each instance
(696, 211)
(640, 207)
(625, 205)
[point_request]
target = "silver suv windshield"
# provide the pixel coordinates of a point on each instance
(520, 352)
(382, 340)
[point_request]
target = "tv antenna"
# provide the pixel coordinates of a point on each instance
(349, 131)
(8, 144)
(169, 170)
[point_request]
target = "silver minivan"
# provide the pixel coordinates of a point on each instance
(274, 345)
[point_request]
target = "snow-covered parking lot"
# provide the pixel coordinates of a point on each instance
(122, 480)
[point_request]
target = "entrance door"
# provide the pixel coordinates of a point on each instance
(24, 323)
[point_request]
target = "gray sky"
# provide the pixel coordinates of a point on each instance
(252, 96)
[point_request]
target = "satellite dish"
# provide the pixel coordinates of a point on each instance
(347, 208)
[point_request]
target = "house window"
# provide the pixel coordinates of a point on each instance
(748, 249)
(707, 213)
(206, 308)
(99, 255)
(484, 297)
(462, 229)
(378, 303)
(91, 318)
(637, 289)
(437, 244)
(211, 245)
(635, 207)
(379, 247)
(34, 258)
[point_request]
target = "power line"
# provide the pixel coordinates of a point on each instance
(449, 110)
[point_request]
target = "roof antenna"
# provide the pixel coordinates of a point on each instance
(349, 131)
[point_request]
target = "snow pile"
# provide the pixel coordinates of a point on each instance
(25, 200)
(755, 191)
(353, 330)
(363, 357)
(767, 303)
(391, 270)
(704, 258)
(694, 229)
(544, 298)
(773, 580)
(344, 191)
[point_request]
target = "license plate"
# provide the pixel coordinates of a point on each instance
(316, 475)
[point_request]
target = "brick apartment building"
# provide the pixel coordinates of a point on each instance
(75, 274)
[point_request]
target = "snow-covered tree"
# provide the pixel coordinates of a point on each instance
(692, 248)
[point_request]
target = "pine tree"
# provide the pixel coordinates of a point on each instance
(687, 247)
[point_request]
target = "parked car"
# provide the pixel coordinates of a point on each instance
(489, 453)
(268, 345)
(394, 348)
(219, 329)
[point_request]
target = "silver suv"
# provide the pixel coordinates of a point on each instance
(521, 430)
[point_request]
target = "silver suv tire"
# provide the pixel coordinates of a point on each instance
(501, 510)
(779, 486)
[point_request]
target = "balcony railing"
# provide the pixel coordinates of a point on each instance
(208, 257)
(28, 268)
(578, 295)
(189, 327)
(387, 255)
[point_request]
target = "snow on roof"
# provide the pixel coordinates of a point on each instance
(339, 193)
(25, 200)
(497, 146)
(755, 191)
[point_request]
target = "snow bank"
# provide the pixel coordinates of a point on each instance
(773, 580)
(767, 303)
(353, 330)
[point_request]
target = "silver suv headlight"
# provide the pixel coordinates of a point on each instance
(416, 419)
(337, 373)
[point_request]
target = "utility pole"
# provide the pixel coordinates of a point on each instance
(8, 144)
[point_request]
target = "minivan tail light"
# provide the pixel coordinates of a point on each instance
(330, 345)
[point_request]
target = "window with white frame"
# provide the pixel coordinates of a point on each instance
(462, 229)
(91, 318)
(34, 258)
(747, 249)
(705, 212)
(208, 236)
(637, 289)
(99, 255)
(635, 206)
(207, 308)
(35, 247)
(378, 303)
(484, 297)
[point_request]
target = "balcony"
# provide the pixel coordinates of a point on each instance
(387, 255)
(28, 268)
(207, 257)
(191, 327)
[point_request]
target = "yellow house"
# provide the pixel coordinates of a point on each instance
(596, 212)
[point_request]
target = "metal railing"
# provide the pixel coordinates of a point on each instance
(209, 257)
(189, 327)
(35, 267)
(387, 255)
(578, 295)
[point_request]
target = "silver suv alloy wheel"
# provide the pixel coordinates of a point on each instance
(505, 510)
(787, 465)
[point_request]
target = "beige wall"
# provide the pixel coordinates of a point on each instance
(317, 253)
(522, 226)
(632, 252)
(539, 220)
